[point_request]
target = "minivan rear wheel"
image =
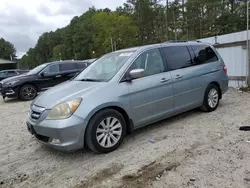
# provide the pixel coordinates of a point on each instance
(211, 98)
(106, 131)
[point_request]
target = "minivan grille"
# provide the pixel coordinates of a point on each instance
(35, 115)
(36, 112)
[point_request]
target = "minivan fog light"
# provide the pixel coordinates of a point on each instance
(55, 141)
(64, 110)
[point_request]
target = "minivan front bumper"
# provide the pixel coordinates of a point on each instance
(64, 135)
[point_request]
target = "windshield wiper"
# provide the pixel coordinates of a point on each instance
(90, 80)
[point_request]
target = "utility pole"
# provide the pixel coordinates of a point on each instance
(183, 2)
(111, 41)
(175, 32)
(247, 54)
(167, 19)
(115, 45)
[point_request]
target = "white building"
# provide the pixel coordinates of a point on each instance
(232, 48)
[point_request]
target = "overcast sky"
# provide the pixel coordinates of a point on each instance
(23, 21)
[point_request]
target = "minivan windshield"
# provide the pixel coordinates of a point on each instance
(104, 68)
(37, 69)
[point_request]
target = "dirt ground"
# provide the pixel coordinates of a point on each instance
(194, 149)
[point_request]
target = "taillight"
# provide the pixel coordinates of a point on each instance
(225, 68)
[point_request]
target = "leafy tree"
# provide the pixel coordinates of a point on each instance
(7, 50)
(82, 41)
(144, 15)
(137, 22)
(59, 52)
(111, 26)
(24, 62)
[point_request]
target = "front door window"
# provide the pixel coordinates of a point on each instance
(151, 61)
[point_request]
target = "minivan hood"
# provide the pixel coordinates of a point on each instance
(66, 91)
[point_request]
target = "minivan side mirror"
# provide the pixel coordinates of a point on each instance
(136, 73)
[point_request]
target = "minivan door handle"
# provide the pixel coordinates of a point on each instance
(178, 76)
(163, 80)
(58, 76)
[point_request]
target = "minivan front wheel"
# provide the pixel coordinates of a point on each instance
(211, 98)
(105, 131)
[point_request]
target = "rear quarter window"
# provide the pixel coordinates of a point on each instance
(204, 54)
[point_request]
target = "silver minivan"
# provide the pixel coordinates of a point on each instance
(125, 90)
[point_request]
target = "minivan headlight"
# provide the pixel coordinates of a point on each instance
(64, 110)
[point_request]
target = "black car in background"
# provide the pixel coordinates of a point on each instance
(47, 75)
(9, 73)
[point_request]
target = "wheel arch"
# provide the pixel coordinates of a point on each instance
(218, 85)
(121, 110)
(28, 83)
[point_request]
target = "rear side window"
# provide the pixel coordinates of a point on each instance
(204, 54)
(177, 57)
(67, 66)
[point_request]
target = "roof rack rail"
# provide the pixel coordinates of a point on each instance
(176, 41)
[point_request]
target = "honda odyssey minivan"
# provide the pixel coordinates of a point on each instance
(126, 90)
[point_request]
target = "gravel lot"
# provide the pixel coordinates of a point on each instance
(194, 149)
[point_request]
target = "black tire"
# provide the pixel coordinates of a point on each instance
(91, 132)
(206, 106)
(30, 96)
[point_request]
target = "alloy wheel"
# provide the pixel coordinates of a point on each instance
(109, 132)
(213, 98)
(28, 93)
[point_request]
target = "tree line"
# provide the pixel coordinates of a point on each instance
(137, 22)
(7, 50)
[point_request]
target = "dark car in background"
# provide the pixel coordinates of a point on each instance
(9, 73)
(41, 78)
